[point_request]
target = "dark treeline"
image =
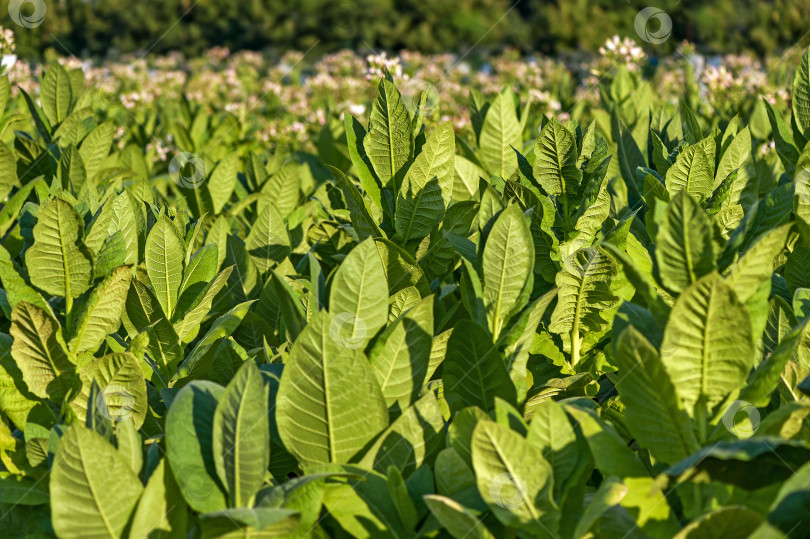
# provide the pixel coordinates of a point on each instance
(100, 27)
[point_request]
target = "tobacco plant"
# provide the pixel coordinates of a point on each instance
(597, 329)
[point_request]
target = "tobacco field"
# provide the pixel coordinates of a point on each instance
(470, 312)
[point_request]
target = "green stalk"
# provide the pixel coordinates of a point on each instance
(69, 313)
(575, 344)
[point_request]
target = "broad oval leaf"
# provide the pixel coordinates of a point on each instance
(359, 294)
(427, 187)
(164, 264)
(329, 404)
(508, 261)
(93, 488)
(707, 348)
(241, 439)
(58, 263)
(684, 249)
(189, 445)
(514, 479)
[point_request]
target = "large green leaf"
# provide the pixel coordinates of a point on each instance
(514, 479)
(121, 388)
(164, 263)
(401, 355)
(161, 510)
(222, 181)
(555, 162)
(40, 352)
(756, 265)
(241, 438)
(552, 433)
(388, 144)
(458, 520)
(329, 404)
(14, 285)
(653, 411)
(56, 94)
(268, 242)
(684, 248)
(355, 136)
(100, 315)
(507, 263)
(693, 171)
(362, 221)
(801, 96)
(200, 270)
(359, 295)
(189, 445)
(58, 263)
(499, 134)
(201, 306)
(427, 187)
(584, 294)
(16, 401)
(473, 371)
(707, 348)
(93, 489)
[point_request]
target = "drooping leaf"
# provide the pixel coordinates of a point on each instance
(40, 352)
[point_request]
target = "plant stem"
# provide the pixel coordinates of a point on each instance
(68, 313)
(575, 345)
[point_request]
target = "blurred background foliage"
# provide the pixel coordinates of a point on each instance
(105, 27)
